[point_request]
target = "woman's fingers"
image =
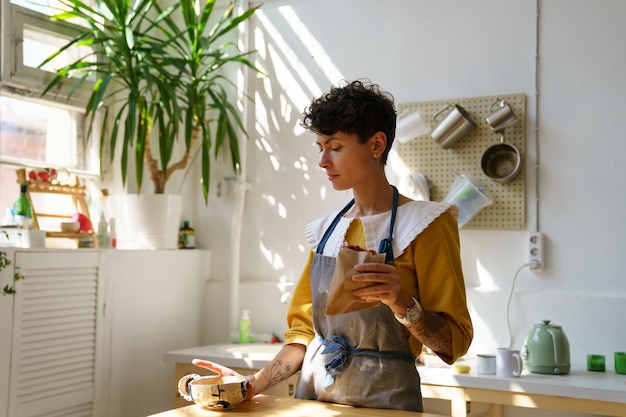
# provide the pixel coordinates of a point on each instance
(215, 367)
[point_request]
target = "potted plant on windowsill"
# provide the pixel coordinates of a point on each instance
(157, 81)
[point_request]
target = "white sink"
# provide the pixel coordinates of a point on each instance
(249, 355)
(251, 349)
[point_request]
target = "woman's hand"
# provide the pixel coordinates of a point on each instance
(225, 371)
(384, 286)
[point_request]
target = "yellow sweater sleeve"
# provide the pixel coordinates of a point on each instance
(430, 270)
(300, 312)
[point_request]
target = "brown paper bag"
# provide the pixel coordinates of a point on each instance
(340, 299)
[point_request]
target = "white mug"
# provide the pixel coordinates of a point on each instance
(410, 127)
(508, 363)
(486, 364)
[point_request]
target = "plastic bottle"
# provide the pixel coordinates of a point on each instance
(186, 236)
(22, 207)
(9, 218)
(244, 327)
(112, 233)
(103, 236)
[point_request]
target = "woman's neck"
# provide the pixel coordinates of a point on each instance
(374, 199)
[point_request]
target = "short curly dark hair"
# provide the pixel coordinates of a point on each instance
(358, 107)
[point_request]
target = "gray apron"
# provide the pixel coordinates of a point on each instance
(361, 358)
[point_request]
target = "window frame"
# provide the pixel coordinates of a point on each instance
(30, 81)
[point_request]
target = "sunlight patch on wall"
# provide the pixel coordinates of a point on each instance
(260, 116)
(487, 282)
(287, 65)
(484, 339)
(313, 46)
(301, 164)
(323, 192)
(280, 207)
(272, 258)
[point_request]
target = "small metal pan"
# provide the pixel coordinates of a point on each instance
(501, 162)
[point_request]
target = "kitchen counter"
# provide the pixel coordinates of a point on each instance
(581, 391)
(268, 406)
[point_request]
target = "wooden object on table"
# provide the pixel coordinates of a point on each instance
(269, 406)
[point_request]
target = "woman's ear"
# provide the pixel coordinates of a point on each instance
(379, 143)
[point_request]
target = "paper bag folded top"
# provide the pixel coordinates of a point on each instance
(340, 299)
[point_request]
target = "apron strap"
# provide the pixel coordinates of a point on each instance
(329, 231)
(385, 245)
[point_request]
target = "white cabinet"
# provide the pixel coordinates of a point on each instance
(56, 346)
(156, 307)
(85, 334)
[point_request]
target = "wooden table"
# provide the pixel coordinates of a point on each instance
(269, 406)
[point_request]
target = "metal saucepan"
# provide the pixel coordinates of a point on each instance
(501, 162)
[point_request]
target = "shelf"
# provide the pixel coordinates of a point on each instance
(70, 235)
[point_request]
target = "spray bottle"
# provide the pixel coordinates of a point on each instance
(244, 327)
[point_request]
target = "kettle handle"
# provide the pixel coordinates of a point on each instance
(559, 348)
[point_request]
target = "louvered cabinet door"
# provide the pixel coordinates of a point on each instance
(59, 357)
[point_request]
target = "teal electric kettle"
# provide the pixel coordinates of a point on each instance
(546, 350)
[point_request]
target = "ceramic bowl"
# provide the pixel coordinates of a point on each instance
(70, 227)
(213, 391)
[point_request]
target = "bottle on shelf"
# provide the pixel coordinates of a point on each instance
(103, 234)
(112, 233)
(186, 236)
(23, 210)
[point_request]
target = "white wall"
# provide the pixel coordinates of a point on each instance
(436, 50)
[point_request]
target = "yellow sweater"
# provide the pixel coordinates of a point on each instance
(430, 270)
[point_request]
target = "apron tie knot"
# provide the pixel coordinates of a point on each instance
(339, 346)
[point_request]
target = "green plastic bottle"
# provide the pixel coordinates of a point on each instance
(22, 208)
(244, 327)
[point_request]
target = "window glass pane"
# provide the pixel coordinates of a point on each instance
(47, 7)
(39, 45)
(36, 132)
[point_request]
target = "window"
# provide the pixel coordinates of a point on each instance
(38, 132)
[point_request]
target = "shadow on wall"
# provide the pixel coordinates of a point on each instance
(268, 315)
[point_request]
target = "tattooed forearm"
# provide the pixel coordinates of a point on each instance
(434, 331)
(277, 372)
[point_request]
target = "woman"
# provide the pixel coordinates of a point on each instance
(366, 358)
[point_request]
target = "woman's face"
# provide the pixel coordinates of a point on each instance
(347, 162)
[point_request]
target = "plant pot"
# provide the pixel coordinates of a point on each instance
(149, 221)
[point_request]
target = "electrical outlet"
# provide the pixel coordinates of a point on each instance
(536, 254)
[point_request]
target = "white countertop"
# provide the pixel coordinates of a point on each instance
(579, 383)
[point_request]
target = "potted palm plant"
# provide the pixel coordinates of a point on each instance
(156, 80)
